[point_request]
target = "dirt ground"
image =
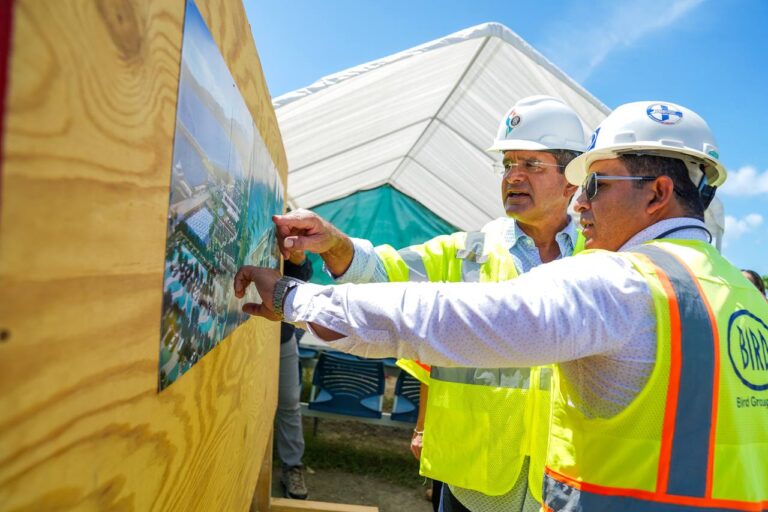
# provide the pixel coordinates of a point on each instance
(331, 478)
(336, 486)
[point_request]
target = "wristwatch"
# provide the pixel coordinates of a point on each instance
(282, 287)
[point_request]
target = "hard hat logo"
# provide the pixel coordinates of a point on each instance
(549, 125)
(512, 120)
(594, 139)
(658, 128)
(665, 114)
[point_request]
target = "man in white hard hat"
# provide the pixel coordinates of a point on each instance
(484, 431)
(660, 343)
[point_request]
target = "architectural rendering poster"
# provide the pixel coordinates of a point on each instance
(224, 191)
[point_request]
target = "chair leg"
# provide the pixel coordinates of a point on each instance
(315, 421)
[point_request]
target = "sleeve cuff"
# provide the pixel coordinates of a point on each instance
(363, 264)
(298, 304)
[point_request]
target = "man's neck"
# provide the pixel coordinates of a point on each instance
(543, 236)
(686, 228)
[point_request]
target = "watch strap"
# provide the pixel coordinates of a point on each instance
(282, 287)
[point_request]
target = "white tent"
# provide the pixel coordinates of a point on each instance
(419, 120)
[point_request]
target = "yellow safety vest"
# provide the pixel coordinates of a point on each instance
(480, 424)
(696, 436)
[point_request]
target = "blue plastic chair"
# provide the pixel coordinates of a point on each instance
(347, 357)
(307, 354)
(407, 395)
(348, 386)
(390, 362)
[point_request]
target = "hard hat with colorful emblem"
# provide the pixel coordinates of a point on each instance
(540, 123)
(657, 128)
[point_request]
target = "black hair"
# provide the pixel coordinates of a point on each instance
(564, 157)
(756, 279)
(654, 165)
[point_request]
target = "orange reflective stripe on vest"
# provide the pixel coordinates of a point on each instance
(596, 498)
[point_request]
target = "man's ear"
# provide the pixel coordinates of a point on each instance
(663, 191)
(570, 190)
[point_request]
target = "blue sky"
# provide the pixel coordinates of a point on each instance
(708, 55)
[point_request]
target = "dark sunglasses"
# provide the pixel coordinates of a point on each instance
(590, 184)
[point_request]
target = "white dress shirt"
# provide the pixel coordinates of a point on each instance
(592, 314)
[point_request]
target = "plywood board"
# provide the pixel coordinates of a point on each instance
(284, 505)
(88, 138)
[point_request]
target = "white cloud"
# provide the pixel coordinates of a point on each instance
(736, 228)
(581, 46)
(746, 181)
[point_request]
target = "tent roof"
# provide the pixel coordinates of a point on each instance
(419, 120)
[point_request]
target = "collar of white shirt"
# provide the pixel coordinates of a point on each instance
(681, 227)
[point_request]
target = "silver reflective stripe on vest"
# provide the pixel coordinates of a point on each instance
(473, 256)
(519, 378)
(417, 273)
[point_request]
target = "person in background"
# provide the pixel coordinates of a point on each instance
(289, 437)
(755, 279)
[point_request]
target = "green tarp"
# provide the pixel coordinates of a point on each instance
(382, 215)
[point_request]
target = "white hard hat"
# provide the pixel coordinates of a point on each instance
(658, 128)
(540, 123)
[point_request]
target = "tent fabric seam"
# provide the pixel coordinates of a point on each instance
(487, 30)
(448, 97)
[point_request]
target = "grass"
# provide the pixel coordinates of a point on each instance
(357, 448)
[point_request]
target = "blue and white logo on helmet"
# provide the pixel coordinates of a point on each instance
(594, 139)
(665, 113)
(512, 120)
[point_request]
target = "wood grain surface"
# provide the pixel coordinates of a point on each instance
(89, 130)
(285, 505)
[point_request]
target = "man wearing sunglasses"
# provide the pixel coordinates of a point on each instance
(484, 430)
(660, 343)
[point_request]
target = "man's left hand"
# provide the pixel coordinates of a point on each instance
(264, 279)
